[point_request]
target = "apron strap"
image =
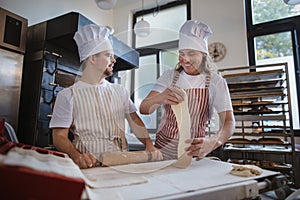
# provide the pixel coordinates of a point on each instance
(207, 80)
(175, 77)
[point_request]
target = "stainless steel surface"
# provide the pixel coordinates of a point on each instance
(11, 65)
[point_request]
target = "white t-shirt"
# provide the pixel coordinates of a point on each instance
(63, 109)
(219, 97)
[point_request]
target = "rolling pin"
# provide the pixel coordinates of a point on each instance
(122, 158)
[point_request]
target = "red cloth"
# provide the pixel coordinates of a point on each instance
(26, 183)
(3, 139)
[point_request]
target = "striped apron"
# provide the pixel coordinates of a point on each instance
(198, 104)
(98, 120)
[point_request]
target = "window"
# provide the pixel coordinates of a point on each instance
(158, 51)
(168, 60)
(164, 25)
(270, 10)
(276, 40)
(144, 79)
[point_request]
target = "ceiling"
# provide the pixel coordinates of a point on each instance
(147, 3)
(121, 3)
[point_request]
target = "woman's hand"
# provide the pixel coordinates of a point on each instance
(200, 147)
(171, 95)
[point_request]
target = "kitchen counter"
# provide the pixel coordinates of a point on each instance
(205, 179)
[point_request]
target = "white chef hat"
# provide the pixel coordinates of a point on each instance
(92, 39)
(193, 35)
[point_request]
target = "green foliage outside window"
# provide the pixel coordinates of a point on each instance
(275, 45)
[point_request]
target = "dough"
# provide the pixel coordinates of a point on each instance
(181, 112)
(122, 175)
(246, 170)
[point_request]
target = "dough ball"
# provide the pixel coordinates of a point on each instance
(246, 170)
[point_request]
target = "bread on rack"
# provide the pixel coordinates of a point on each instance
(265, 109)
(239, 141)
(270, 141)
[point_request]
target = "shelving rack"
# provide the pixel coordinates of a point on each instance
(264, 124)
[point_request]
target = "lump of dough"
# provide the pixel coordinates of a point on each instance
(246, 170)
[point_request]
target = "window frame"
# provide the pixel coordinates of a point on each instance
(156, 48)
(290, 24)
(162, 7)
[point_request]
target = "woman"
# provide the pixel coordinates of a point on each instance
(205, 90)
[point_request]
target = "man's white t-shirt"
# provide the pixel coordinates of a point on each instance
(63, 109)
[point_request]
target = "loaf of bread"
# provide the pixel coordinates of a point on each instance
(270, 141)
(265, 109)
(239, 141)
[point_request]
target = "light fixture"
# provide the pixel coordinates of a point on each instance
(142, 28)
(291, 2)
(111, 29)
(106, 4)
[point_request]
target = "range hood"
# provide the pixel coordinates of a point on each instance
(60, 31)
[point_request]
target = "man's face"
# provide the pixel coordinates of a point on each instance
(105, 62)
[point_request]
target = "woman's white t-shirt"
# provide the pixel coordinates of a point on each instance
(219, 97)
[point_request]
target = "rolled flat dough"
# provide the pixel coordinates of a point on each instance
(121, 175)
(182, 114)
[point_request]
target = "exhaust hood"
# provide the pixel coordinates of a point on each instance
(60, 31)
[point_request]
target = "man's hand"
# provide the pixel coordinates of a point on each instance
(85, 160)
(156, 154)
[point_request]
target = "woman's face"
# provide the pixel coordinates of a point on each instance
(190, 60)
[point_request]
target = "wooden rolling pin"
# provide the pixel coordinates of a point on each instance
(122, 158)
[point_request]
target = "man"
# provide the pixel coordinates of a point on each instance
(94, 109)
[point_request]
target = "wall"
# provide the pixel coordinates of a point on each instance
(41, 10)
(227, 21)
(226, 18)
